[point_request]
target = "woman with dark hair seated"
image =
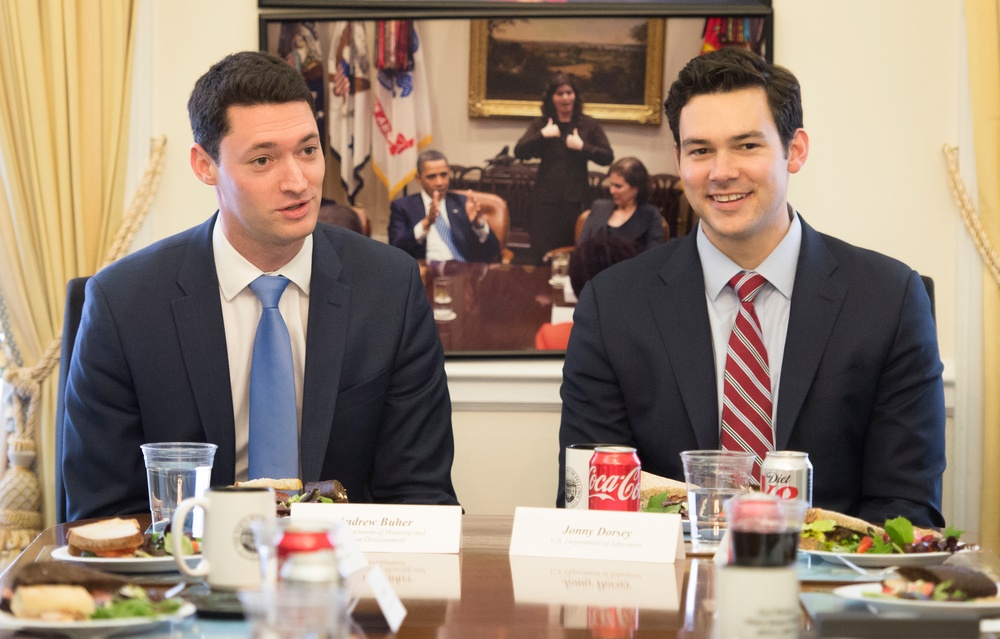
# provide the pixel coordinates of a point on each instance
(587, 260)
(627, 214)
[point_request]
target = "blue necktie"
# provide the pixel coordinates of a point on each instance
(274, 433)
(445, 232)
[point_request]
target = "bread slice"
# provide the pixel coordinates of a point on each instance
(292, 483)
(56, 573)
(650, 484)
(843, 521)
(52, 603)
(108, 538)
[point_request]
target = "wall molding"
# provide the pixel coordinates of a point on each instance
(532, 385)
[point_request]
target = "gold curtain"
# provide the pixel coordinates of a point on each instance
(983, 29)
(65, 69)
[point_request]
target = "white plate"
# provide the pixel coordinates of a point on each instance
(881, 561)
(124, 564)
(444, 315)
(94, 627)
(862, 592)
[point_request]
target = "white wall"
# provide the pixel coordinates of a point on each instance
(881, 87)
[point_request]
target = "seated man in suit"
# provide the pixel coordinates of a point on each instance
(827, 348)
(438, 226)
(354, 386)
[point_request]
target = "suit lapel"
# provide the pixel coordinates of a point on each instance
(329, 311)
(681, 318)
(816, 303)
(202, 336)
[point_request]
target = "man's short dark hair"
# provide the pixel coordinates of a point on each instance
(430, 155)
(732, 69)
(247, 78)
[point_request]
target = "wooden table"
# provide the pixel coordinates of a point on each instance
(493, 598)
(485, 606)
(497, 307)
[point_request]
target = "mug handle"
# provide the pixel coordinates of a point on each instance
(176, 548)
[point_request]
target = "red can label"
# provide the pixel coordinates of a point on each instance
(614, 479)
(612, 623)
(294, 541)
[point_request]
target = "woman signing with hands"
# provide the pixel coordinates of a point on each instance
(565, 140)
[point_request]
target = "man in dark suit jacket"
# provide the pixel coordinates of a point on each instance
(849, 332)
(412, 219)
(163, 350)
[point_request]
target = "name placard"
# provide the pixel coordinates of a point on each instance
(425, 576)
(597, 534)
(393, 527)
(605, 584)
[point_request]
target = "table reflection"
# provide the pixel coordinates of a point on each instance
(490, 308)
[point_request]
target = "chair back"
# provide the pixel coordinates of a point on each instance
(366, 222)
(72, 313)
(495, 212)
(580, 221)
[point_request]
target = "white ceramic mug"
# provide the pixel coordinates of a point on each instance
(577, 481)
(229, 555)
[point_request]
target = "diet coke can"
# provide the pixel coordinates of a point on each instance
(614, 479)
(788, 475)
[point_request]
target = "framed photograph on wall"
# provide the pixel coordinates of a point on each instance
(618, 63)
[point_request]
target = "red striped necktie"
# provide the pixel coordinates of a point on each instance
(746, 389)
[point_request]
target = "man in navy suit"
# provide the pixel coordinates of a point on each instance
(439, 226)
(851, 344)
(165, 344)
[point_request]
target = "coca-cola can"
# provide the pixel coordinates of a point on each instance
(614, 479)
(302, 541)
(787, 474)
(612, 623)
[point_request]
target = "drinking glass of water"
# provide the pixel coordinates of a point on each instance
(713, 477)
(176, 471)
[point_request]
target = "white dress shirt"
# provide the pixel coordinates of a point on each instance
(772, 304)
(241, 311)
(437, 250)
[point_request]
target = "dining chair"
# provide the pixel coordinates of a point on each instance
(75, 291)
(497, 216)
(565, 250)
(366, 222)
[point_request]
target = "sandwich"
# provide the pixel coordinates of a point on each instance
(60, 591)
(662, 494)
(108, 538)
(329, 492)
(52, 603)
(288, 485)
(939, 583)
(828, 530)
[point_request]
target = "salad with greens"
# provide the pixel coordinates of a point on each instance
(899, 536)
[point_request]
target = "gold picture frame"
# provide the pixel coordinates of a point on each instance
(646, 109)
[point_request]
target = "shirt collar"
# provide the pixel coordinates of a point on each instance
(235, 272)
(778, 268)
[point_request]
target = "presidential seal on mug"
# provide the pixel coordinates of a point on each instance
(576, 484)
